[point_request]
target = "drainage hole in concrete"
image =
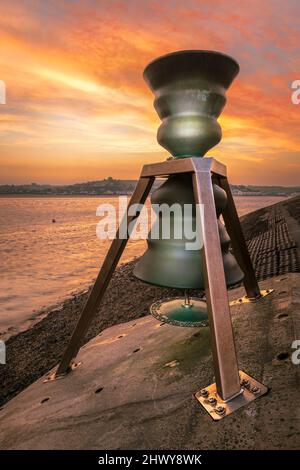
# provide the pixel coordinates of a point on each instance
(121, 336)
(44, 400)
(282, 356)
(136, 350)
(197, 334)
(282, 315)
(99, 390)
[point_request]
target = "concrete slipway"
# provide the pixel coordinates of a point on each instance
(135, 386)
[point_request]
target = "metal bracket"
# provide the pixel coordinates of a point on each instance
(247, 300)
(218, 408)
(56, 376)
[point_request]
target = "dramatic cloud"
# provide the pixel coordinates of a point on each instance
(77, 107)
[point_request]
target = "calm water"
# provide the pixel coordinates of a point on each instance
(44, 262)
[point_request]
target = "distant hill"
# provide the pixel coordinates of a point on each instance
(245, 190)
(111, 186)
(108, 186)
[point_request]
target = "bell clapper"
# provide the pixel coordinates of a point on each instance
(187, 300)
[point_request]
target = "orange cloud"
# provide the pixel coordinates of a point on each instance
(77, 107)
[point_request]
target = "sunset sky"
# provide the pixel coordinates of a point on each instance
(78, 108)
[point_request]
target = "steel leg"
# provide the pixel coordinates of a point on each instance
(107, 269)
(223, 348)
(233, 388)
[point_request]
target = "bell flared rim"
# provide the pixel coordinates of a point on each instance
(212, 62)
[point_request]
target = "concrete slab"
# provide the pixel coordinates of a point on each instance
(134, 389)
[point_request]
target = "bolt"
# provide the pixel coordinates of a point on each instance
(220, 410)
(245, 383)
(204, 393)
(267, 291)
(240, 300)
(255, 390)
(212, 401)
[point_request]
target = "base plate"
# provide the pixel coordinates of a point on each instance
(174, 311)
(246, 300)
(218, 409)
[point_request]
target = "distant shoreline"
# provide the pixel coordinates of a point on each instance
(10, 196)
(110, 187)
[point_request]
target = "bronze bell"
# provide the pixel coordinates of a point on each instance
(189, 88)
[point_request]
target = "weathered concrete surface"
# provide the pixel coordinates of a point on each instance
(135, 387)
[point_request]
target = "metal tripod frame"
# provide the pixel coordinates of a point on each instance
(233, 388)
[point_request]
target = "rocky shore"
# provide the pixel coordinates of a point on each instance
(273, 239)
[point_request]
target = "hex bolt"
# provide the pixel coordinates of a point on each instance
(220, 410)
(255, 390)
(212, 401)
(204, 393)
(245, 383)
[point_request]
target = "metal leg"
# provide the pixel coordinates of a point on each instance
(223, 348)
(108, 267)
(238, 243)
(233, 388)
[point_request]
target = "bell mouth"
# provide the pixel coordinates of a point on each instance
(213, 65)
(177, 312)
